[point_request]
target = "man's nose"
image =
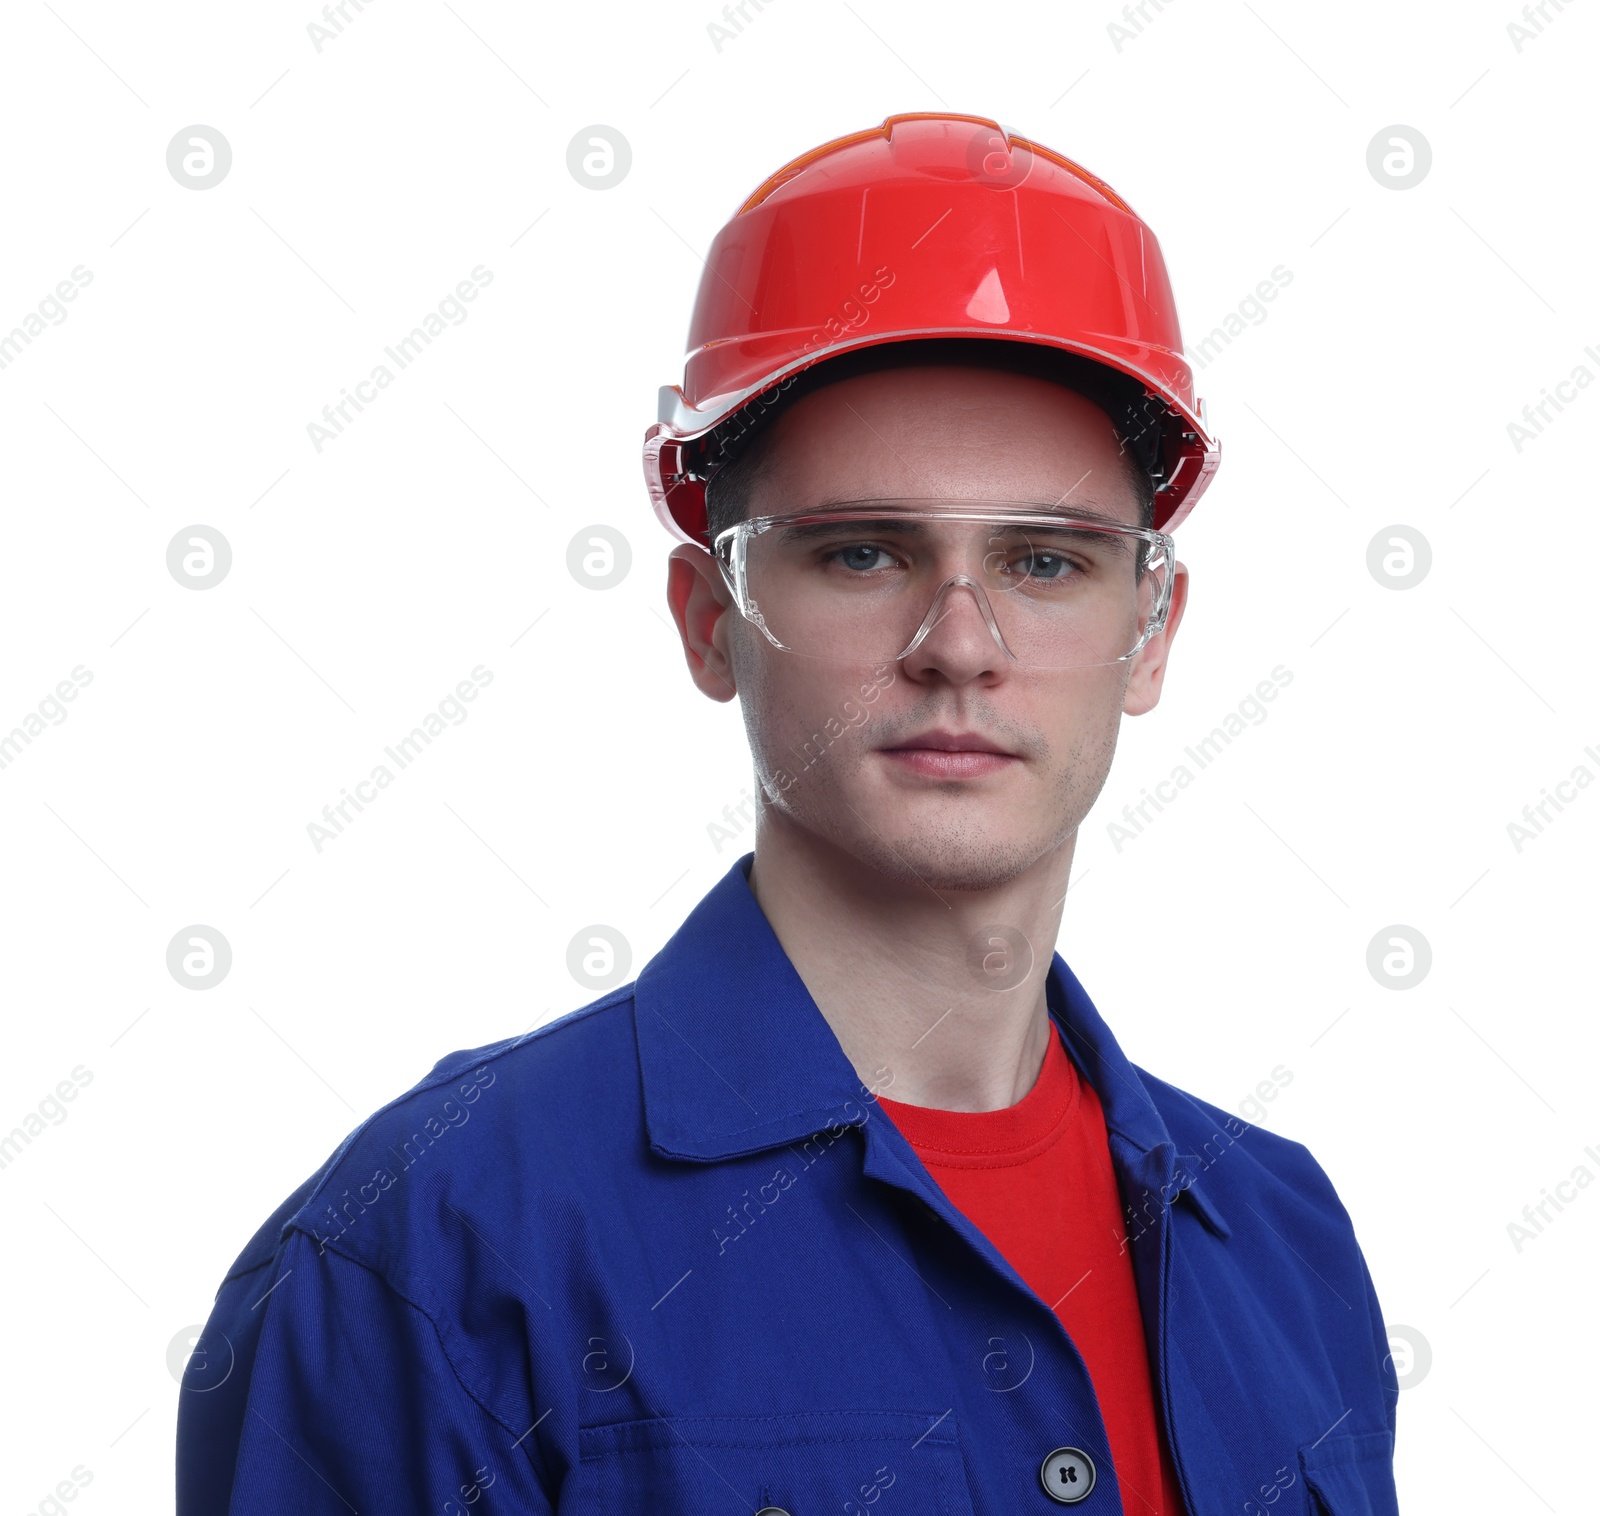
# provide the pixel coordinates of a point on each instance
(959, 637)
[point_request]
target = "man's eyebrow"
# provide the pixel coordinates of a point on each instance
(843, 523)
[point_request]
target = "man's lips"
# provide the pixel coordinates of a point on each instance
(950, 755)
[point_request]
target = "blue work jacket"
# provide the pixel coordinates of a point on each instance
(667, 1255)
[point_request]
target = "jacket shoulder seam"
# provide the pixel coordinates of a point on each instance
(408, 1294)
(471, 1059)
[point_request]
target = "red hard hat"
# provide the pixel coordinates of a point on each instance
(929, 226)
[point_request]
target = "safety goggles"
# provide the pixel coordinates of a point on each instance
(868, 581)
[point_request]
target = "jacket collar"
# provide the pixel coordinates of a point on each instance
(734, 1054)
(736, 1057)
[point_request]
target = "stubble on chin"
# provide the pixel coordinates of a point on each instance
(949, 848)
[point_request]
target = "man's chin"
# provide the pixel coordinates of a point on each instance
(950, 859)
(930, 839)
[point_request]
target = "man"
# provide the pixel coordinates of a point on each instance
(851, 1197)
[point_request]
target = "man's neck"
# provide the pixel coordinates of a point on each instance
(930, 1005)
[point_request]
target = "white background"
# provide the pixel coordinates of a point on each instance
(1228, 938)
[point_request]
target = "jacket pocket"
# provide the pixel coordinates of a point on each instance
(1351, 1475)
(816, 1463)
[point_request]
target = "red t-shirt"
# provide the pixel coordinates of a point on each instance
(1036, 1179)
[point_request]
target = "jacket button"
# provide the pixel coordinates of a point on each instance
(1067, 1475)
(772, 1510)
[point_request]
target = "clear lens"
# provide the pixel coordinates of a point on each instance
(868, 587)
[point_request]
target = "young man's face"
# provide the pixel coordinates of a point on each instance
(880, 790)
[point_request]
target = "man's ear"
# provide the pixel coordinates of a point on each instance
(1150, 666)
(701, 607)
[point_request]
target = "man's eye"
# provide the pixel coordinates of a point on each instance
(861, 557)
(1042, 566)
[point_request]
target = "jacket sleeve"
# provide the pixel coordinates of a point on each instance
(325, 1391)
(1386, 1370)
